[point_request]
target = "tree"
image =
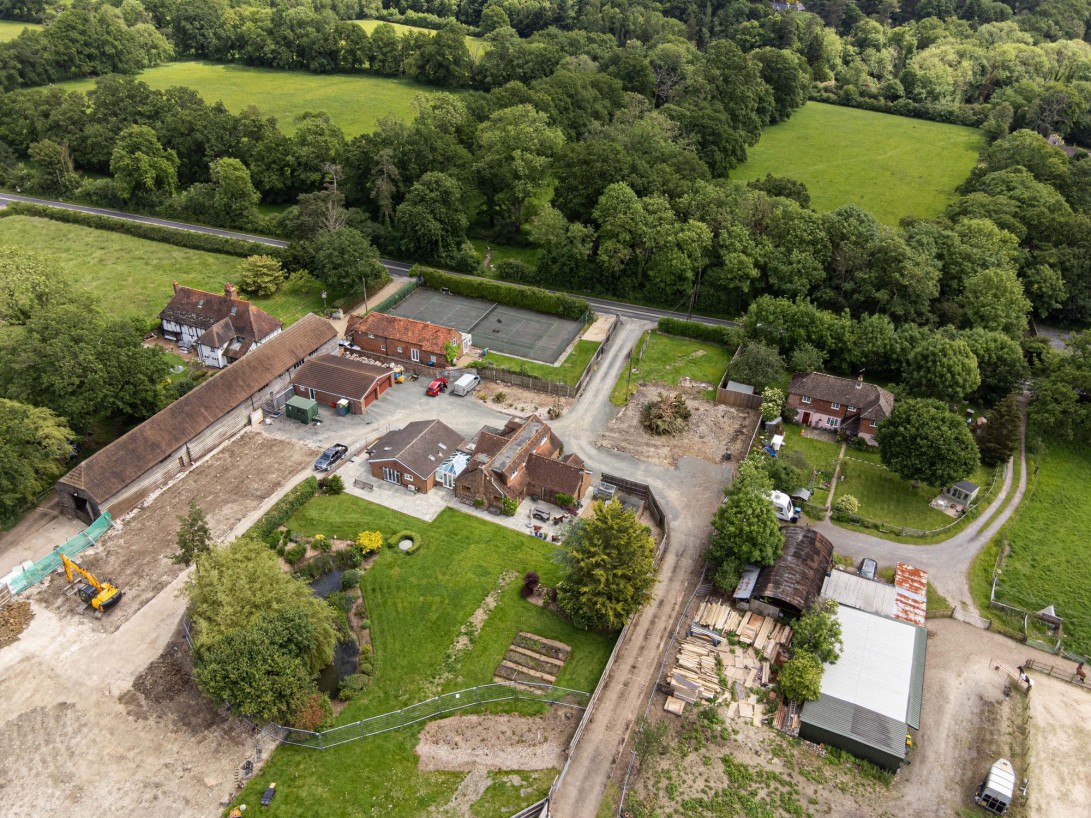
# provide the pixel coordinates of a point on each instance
(847, 504)
(806, 358)
(993, 299)
(999, 438)
(772, 403)
(443, 58)
(384, 183)
(28, 284)
(745, 527)
(344, 260)
(784, 187)
(432, 219)
(141, 167)
(194, 535)
(1000, 361)
(261, 275)
(234, 197)
(238, 584)
(56, 170)
(818, 632)
(758, 365)
(611, 571)
(922, 441)
(34, 448)
(942, 368)
(801, 678)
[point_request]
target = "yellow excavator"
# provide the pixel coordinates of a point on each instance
(101, 596)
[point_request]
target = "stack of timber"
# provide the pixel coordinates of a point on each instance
(764, 633)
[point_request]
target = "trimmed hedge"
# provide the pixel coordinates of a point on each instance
(969, 115)
(394, 539)
(511, 295)
(141, 230)
(397, 298)
(728, 336)
(283, 509)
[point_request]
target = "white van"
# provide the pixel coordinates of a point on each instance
(783, 506)
(466, 384)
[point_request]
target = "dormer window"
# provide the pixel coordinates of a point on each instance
(234, 310)
(804, 399)
(835, 405)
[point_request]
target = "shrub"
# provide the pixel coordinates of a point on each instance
(341, 601)
(261, 275)
(728, 336)
(801, 678)
(283, 509)
(395, 539)
(295, 553)
(368, 542)
(321, 543)
(350, 579)
(772, 402)
(512, 295)
(564, 500)
(510, 506)
(667, 415)
(315, 713)
(847, 504)
(499, 397)
(331, 484)
(352, 686)
(531, 581)
(479, 503)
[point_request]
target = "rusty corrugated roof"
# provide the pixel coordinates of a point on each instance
(911, 601)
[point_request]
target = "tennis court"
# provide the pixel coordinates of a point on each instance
(507, 330)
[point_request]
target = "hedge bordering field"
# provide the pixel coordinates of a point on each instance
(283, 509)
(511, 295)
(152, 232)
(728, 336)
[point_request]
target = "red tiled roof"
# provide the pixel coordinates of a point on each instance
(345, 377)
(197, 308)
(432, 337)
(871, 401)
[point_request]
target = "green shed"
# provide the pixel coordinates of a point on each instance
(304, 410)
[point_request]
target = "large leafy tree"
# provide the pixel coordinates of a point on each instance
(800, 679)
(999, 360)
(34, 446)
(344, 260)
(234, 197)
(993, 299)
(73, 360)
(28, 284)
(745, 527)
(942, 368)
(611, 571)
(923, 441)
(758, 365)
(999, 438)
(442, 59)
(818, 632)
(432, 220)
(141, 167)
(261, 275)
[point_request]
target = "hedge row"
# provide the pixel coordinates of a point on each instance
(511, 295)
(396, 298)
(970, 115)
(728, 336)
(141, 230)
(283, 509)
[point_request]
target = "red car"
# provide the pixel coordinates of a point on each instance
(435, 387)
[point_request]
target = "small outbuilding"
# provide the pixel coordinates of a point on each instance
(794, 581)
(304, 410)
(331, 379)
(963, 492)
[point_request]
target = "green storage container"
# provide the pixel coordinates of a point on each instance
(304, 410)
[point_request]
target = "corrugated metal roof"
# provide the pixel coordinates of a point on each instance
(747, 582)
(875, 670)
(795, 579)
(844, 718)
(916, 681)
(911, 603)
(857, 592)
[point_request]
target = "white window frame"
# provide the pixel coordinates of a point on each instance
(400, 351)
(414, 355)
(833, 423)
(835, 405)
(852, 409)
(408, 477)
(382, 347)
(804, 399)
(369, 335)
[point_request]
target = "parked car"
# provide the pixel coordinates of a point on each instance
(330, 457)
(435, 387)
(868, 568)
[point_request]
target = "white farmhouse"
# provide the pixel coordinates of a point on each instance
(222, 328)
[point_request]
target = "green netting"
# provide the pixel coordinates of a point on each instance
(52, 561)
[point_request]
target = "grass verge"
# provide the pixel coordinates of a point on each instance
(881, 167)
(668, 359)
(568, 372)
(416, 605)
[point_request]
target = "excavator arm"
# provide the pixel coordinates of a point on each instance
(101, 596)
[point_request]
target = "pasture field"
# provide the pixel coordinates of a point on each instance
(892, 166)
(10, 29)
(475, 44)
(355, 102)
(668, 359)
(1049, 547)
(416, 605)
(132, 277)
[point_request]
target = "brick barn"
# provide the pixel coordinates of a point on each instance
(330, 378)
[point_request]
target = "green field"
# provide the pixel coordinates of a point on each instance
(568, 372)
(893, 166)
(668, 359)
(10, 29)
(131, 276)
(417, 605)
(472, 43)
(355, 102)
(1050, 547)
(886, 497)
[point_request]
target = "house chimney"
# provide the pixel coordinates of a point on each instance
(860, 380)
(230, 291)
(176, 285)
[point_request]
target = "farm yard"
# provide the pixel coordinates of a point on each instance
(133, 276)
(355, 102)
(849, 156)
(432, 633)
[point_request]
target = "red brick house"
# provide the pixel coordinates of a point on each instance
(404, 338)
(522, 459)
(331, 378)
(410, 457)
(852, 407)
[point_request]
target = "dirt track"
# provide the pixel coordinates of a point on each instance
(227, 486)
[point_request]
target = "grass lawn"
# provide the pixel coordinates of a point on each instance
(1050, 548)
(568, 372)
(472, 43)
(893, 166)
(416, 605)
(499, 252)
(132, 276)
(669, 358)
(886, 497)
(10, 29)
(355, 102)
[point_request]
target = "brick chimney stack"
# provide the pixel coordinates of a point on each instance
(860, 381)
(230, 291)
(176, 285)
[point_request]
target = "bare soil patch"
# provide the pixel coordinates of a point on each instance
(228, 486)
(1060, 734)
(497, 742)
(520, 401)
(601, 328)
(713, 429)
(14, 618)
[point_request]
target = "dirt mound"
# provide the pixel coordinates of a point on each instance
(497, 742)
(14, 618)
(166, 677)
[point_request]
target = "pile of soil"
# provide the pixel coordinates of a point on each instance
(167, 677)
(14, 618)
